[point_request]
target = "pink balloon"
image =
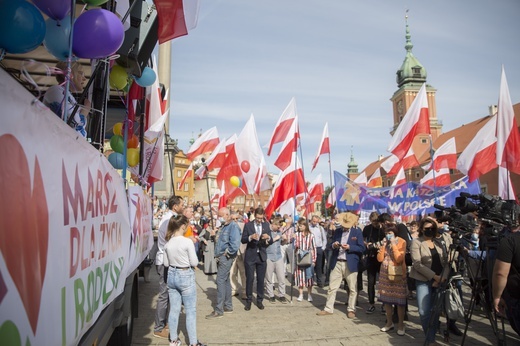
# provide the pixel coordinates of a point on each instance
(245, 166)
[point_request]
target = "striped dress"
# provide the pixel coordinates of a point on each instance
(392, 292)
(304, 243)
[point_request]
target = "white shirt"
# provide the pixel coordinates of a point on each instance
(320, 236)
(344, 240)
(161, 236)
(180, 252)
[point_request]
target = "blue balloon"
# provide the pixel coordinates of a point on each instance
(147, 77)
(57, 38)
(117, 160)
(22, 27)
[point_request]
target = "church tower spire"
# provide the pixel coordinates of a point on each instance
(410, 77)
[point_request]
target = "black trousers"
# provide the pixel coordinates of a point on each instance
(319, 266)
(251, 267)
(373, 267)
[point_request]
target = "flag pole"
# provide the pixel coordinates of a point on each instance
(331, 186)
(432, 152)
(206, 173)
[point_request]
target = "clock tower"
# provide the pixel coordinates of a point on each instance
(410, 77)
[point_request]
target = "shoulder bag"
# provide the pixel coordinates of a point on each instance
(303, 258)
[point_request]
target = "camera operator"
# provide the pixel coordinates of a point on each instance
(506, 278)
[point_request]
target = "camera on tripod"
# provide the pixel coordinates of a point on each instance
(489, 208)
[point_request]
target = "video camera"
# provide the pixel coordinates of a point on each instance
(491, 209)
(456, 220)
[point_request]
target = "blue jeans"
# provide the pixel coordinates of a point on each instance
(223, 285)
(425, 296)
(182, 290)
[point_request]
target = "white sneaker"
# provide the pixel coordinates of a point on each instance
(309, 299)
(300, 298)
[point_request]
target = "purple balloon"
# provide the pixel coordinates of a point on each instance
(56, 9)
(97, 34)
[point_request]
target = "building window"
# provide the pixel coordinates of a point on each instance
(186, 187)
(424, 140)
(417, 175)
(179, 173)
(483, 188)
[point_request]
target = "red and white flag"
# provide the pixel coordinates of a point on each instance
(153, 158)
(392, 164)
(375, 180)
(290, 183)
(331, 200)
(324, 147)
(249, 155)
(316, 189)
(479, 157)
(508, 135)
(283, 125)
(505, 187)
(222, 200)
(176, 18)
(415, 121)
(154, 106)
(187, 174)
(361, 179)
(205, 143)
(218, 155)
(444, 157)
(289, 146)
(442, 178)
(400, 178)
(200, 172)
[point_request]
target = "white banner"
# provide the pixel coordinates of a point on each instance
(64, 225)
(141, 226)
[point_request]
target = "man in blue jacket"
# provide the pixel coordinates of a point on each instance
(347, 247)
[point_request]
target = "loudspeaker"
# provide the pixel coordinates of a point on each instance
(140, 38)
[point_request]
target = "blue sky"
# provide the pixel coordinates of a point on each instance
(338, 58)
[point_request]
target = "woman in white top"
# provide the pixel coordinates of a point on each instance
(181, 260)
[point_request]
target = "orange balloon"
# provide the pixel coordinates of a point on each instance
(118, 129)
(133, 142)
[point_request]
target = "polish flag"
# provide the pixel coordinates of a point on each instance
(316, 189)
(187, 174)
(206, 142)
(218, 156)
(442, 178)
(200, 172)
(392, 164)
(283, 125)
(331, 200)
(250, 158)
(375, 179)
(508, 136)
(505, 187)
(444, 157)
(324, 146)
(262, 182)
(479, 157)
(400, 178)
(154, 108)
(289, 146)
(415, 121)
(361, 179)
(176, 18)
(290, 184)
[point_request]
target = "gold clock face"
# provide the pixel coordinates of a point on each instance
(400, 107)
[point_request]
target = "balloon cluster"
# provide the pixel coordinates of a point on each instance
(97, 33)
(117, 144)
(119, 78)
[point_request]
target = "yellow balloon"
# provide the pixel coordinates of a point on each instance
(118, 77)
(118, 129)
(132, 156)
(235, 181)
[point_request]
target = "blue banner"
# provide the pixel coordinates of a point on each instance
(407, 199)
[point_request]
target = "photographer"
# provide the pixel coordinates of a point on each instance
(506, 279)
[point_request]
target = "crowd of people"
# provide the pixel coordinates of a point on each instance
(402, 261)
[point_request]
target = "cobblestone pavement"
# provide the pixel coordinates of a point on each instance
(296, 323)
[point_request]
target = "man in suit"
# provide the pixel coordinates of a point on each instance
(347, 247)
(257, 236)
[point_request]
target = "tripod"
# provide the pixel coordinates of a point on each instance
(478, 290)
